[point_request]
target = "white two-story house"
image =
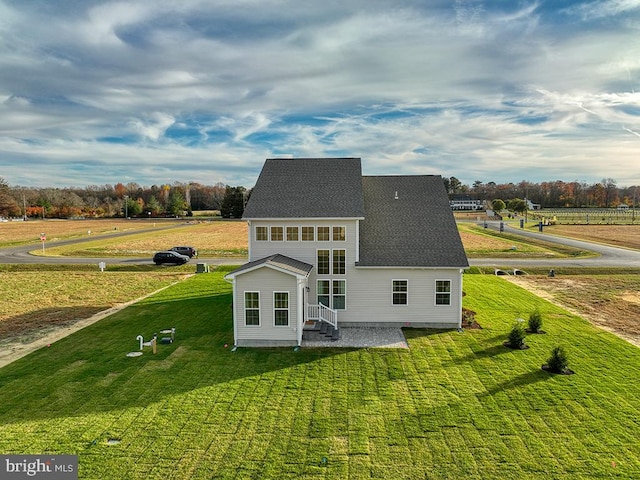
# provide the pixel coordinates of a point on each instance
(327, 244)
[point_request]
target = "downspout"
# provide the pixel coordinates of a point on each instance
(249, 247)
(461, 271)
(301, 307)
(357, 241)
(233, 308)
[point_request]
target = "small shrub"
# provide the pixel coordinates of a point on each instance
(558, 361)
(535, 321)
(468, 316)
(516, 336)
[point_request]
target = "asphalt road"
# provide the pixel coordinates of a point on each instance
(607, 256)
(14, 255)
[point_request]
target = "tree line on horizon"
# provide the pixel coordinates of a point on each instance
(555, 194)
(178, 199)
(119, 200)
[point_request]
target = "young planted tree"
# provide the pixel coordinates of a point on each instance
(535, 322)
(516, 337)
(558, 362)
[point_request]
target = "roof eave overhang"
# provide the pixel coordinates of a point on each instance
(299, 276)
(297, 219)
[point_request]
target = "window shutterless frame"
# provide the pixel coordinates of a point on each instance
(443, 293)
(252, 309)
(399, 292)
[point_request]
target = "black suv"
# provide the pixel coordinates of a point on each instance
(170, 257)
(188, 251)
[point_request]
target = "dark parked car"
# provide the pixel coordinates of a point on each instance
(188, 251)
(170, 257)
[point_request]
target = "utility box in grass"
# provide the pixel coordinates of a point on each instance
(202, 268)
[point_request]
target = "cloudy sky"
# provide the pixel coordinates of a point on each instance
(97, 92)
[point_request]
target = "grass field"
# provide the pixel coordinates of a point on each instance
(481, 242)
(36, 299)
(213, 238)
(620, 235)
(455, 405)
(18, 233)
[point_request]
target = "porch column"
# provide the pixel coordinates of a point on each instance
(300, 310)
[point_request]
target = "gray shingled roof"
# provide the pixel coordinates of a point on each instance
(307, 188)
(416, 229)
(283, 262)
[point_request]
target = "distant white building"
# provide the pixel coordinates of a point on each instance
(466, 203)
(532, 206)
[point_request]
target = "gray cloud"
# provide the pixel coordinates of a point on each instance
(203, 90)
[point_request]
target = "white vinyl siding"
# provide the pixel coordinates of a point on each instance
(369, 291)
(268, 282)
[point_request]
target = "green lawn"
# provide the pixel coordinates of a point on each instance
(455, 405)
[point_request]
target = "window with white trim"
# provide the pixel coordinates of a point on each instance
(277, 234)
(323, 293)
(262, 234)
(252, 308)
(323, 262)
(339, 295)
(339, 261)
(281, 309)
(332, 294)
(323, 234)
(339, 234)
(443, 292)
(308, 234)
(399, 289)
(292, 234)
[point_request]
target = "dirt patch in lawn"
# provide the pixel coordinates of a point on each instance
(610, 302)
